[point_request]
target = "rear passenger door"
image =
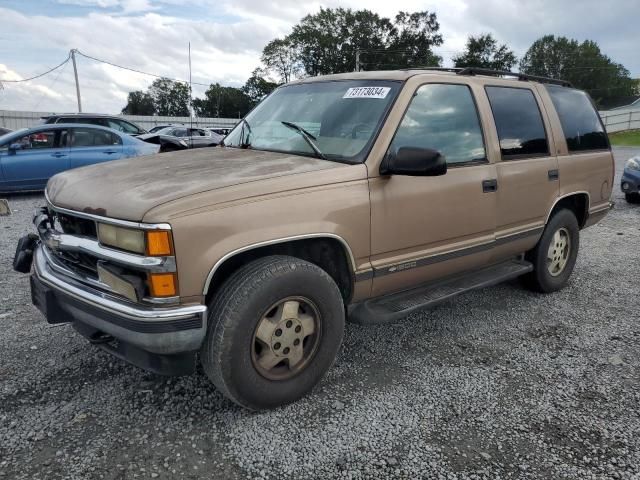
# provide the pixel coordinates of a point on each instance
(527, 170)
(93, 145)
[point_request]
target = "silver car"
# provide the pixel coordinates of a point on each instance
(194, 137)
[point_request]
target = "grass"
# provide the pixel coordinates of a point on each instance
(625, 139)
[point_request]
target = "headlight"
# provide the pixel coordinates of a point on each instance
(152, 242)
(633, 163)
(122, 238)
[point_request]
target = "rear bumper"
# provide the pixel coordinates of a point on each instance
(157, 330)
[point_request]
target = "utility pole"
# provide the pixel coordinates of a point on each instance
(75, 74)
(357, 60)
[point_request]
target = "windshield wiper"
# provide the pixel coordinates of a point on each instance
(307, 136)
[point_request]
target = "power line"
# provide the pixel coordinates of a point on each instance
(139, 71)
(55, 79)
(38, 76)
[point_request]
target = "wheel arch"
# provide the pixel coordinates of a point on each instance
(328, 251)
(577, 202)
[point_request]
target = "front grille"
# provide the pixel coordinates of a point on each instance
(81, 263)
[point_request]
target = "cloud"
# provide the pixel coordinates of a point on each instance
(227, 37)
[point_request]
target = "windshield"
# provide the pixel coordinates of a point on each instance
(341, 118)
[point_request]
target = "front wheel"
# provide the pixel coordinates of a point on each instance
(275, 328)
(555, 255)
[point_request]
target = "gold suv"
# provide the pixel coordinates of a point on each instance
(364, 196)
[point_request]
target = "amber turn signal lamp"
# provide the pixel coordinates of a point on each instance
(163, 284)
(158, 243)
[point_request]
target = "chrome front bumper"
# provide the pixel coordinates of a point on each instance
(162, 330)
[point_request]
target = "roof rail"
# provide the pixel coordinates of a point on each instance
(520, 76)
(437, 69)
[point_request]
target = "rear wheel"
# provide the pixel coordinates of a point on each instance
(275, 328)
(554, 256)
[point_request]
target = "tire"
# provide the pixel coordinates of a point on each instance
(547, 276)
(264, 293)
(632, 197)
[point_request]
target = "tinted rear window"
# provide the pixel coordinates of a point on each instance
(580, 122)
(518, 121)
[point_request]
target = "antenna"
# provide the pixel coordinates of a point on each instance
(190, 102)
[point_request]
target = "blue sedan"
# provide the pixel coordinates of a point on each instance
(630, 182)
(29, 157)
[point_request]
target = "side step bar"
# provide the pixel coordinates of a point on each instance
(392, 307)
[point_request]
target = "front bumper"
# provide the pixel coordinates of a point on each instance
(630, 182)
(166, 330)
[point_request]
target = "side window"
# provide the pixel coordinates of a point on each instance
(179, 132)
(39, 140)
(89, 137)
(443, 117)
(68, 120)
(580, 122)
(518, 121)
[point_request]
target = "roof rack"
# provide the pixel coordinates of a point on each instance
(520, 76)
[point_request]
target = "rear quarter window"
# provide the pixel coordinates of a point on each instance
(580, 121)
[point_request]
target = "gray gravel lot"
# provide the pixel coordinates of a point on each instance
(500, 383)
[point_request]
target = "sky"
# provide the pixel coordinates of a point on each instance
(227, 37)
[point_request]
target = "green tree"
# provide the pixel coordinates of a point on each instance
(257, 87)
(223, 102)
(170, 98)
(282, 58)
(582, 64)
(139, 103)
(328, 41)
(412, 39)
(483, 51)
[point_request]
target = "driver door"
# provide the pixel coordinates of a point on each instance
(41, 155)
(423, 228)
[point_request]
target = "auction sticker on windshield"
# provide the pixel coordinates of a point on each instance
(367, 92)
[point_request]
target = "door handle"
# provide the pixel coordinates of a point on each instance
(490, 185)
(109, 152)
(58, 155)
(553, 175)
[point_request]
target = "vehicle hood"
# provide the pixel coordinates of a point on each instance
(127, 189)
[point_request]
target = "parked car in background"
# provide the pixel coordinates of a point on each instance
(220, 131)
(28, 158)
(630, 182)
(4, 131)
(159, 127)
(214, 132)
(109, 121)
(194, 137)
(167, 143)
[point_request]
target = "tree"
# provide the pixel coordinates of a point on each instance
(223, 102)
(582, 64)
(483, 51)
(139, 103)
(170, 98)
(257, 87)
(412, 39)
(329, 41)
(282, 58)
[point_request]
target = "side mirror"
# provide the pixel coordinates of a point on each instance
(414, 162)
(14, 147)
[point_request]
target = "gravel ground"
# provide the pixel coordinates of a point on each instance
(500, 383)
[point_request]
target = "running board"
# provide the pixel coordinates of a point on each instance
(392, 307)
